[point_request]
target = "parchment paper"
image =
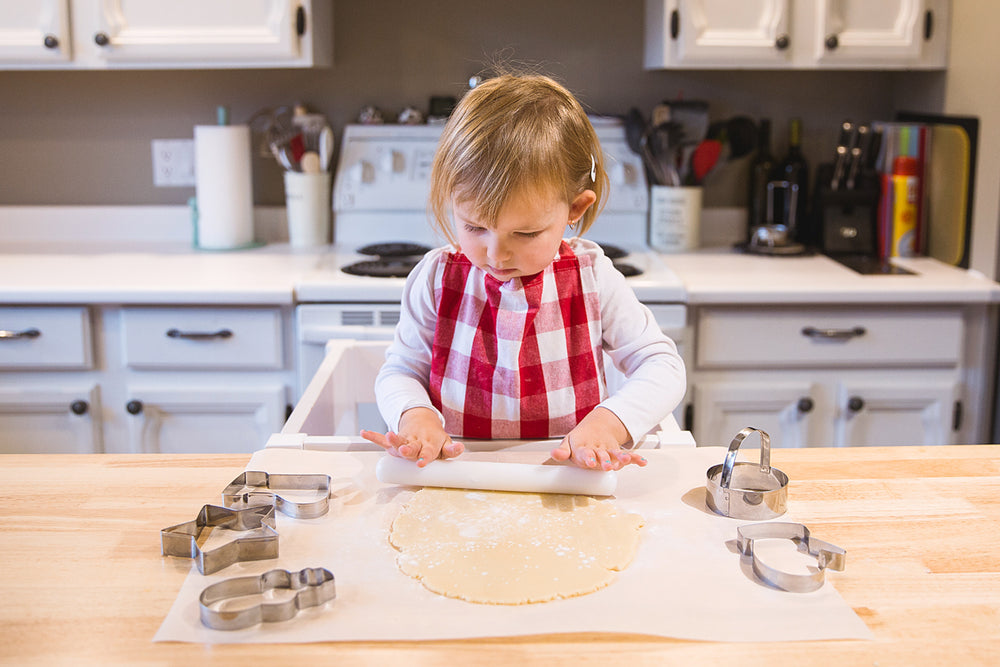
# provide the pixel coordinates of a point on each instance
(687, 581)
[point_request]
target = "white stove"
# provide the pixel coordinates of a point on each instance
(380, 195)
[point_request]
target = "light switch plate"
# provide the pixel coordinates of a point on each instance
(173, 162)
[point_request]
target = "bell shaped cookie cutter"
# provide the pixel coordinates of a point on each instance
(747, 490)
(182, 539)
(312, 586)
(254, 484)
(827, 555)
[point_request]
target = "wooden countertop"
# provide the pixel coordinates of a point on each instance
(84, 581)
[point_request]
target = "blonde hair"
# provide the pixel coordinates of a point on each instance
(510, 134)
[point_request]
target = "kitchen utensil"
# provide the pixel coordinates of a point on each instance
(662, 143)
(704, 159)
(827, 555)
(325, 147)
(312, 586)
(842, 154)
(491, 476)
(948, 185)
(183, 539)
(741, 134)
(252, 486)
(859, 154)
(746, 490)
(692, 118)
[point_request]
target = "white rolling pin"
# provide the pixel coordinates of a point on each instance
(491, 476)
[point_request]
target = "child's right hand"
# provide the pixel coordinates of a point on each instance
(420, 438)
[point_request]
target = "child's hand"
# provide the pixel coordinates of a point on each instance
(421, 438)
(596, 443)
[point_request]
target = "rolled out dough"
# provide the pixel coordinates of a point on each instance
(499, 547)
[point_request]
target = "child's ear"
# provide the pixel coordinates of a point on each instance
(580, 204)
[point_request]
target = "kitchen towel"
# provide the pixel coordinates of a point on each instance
(223, 186)
(687, 581)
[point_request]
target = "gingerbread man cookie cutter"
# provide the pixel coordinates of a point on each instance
(312, 586)
(254, 485)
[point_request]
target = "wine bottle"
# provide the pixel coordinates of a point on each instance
(761, 172)
(795, 170)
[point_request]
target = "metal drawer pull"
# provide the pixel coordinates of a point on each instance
(199, 335)
(835, 334)
(27, 333)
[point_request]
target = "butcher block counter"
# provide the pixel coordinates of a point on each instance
(84, 581)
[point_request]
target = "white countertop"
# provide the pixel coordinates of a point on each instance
(727, 277)
(177, 274)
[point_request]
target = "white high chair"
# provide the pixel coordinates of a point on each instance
(340, 400)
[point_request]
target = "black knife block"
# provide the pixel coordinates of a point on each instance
(845, 221)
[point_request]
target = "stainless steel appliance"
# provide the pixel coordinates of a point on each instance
(380, 195)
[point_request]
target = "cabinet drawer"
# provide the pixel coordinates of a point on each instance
(730, 337)
(45, 338)
(230, 338)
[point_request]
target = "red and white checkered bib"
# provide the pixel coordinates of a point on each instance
(520, 359)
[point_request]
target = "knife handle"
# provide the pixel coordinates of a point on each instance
(843, 153)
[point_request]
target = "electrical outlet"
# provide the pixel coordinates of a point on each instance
(173, 162)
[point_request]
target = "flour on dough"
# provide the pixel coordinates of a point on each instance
(512, 548)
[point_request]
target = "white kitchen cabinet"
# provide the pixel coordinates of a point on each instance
(78, 379)
(181, 34)
(800, 34)
(35, 33)
(819, 376)
(188, 415)
(54, 414)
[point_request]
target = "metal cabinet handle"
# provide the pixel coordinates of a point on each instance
(805, 404)
(51, 42)
(832, 42)
(79, 407)
(13, 335)
(134, 407)
(835, 334)
(199, 335)
(782, 42)
(855, 404)
(102, 39)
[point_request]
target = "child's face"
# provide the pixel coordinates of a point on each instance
(527, 233)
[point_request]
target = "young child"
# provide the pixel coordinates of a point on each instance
(503, 334)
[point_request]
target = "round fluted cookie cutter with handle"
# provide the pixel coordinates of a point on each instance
(747, 490)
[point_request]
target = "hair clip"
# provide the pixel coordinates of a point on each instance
(593, 168)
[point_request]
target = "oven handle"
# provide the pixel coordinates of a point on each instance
(320, 334)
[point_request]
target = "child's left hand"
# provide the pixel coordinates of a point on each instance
(596, 443)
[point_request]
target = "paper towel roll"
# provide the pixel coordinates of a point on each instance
(491, 476)
(223, 186)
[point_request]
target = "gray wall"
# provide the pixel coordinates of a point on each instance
(78, 138)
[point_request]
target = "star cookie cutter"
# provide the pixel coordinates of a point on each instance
(827, 555)
(254, 484)
(182, 539)
(312, 586)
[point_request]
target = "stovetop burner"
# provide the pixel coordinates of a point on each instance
(613, 252)
(627, 270)
(394, 249)
(394, 267)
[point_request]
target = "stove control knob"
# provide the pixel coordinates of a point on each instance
(361, 172)
(392, 162)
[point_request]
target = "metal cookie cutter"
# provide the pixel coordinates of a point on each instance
(247, 486)
(313, 587)
(182, 539)
(827, 555)
(747, 490)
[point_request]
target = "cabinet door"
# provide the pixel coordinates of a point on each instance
(197, 419)
(898, 412)
(35, 32)
(147, 31)
(786, 410)
(49, 418)
(723, 33)
(874, 33)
